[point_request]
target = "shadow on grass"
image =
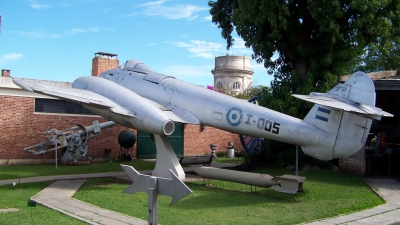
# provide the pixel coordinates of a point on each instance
(320, 175)
(15, 172)
(231, 203)
(217, 196)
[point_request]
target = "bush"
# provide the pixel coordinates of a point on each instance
(279, 154)
(220, 154)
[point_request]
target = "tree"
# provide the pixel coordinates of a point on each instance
(314, 38)
(380, 57)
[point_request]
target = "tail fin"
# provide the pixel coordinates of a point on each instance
(344, 115)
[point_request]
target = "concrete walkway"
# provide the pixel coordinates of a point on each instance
(58, 197)
(388, 213)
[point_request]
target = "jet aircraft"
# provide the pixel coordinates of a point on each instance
(137, 97)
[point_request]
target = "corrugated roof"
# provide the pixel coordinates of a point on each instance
(390, 78)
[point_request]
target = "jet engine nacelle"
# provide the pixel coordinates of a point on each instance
(146, 116)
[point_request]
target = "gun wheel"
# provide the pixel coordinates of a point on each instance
(250, 143)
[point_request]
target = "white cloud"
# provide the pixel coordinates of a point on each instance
(37, 34)
(93, 29)
(10, 57)
(184, 71)
(201, 49)
(36, 5)
(209, 50)
(104, 10)
(71, 32)
(159, 8)
(74, 31)
(239, 48)
(257, 66)
(208, 18)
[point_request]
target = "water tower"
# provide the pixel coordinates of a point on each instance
(232, 73)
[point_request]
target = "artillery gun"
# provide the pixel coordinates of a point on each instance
(72, 141)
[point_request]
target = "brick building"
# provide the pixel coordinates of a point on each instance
(24, 116)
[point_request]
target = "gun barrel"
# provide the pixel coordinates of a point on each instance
(91, 129)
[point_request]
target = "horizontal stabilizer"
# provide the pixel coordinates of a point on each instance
(346, 105)
(356, 95)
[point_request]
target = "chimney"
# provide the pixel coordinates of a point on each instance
(103, 61)
(5, 73)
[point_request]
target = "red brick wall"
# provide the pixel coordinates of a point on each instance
(101, 64)
(352, 165)
(20, 127)
(197, 141)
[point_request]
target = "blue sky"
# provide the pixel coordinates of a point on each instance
(56, 39)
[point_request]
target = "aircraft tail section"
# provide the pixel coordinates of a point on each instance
(344, 116)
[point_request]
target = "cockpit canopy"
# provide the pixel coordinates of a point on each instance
(137, 66)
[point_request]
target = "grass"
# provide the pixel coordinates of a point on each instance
(18, 196)
(234, 160)
(15, 172)
(326, 194)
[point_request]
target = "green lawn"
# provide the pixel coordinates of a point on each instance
(234, 160)
(13, 172)
(326, 194)
(18, 196)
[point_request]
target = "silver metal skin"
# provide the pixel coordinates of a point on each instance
(137, 97)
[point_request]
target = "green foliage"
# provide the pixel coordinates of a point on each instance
(248, 93)
(380, 57)
(318, 37)
(279, 155)
(220, 154)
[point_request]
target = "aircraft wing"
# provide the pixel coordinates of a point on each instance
(175, 113)
(95, 100)
(83, 97)
(323, 99)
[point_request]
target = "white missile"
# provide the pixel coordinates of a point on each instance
(287, 183)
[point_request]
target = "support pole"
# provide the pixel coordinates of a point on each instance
(166, 159)
(55, 142)
(55, 156)
(297, 160)
(152, 202)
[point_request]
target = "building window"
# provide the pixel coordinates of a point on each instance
(60, 106)
(236, 85)
(219, 85)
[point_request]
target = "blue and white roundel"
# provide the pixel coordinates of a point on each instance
(234, 117)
